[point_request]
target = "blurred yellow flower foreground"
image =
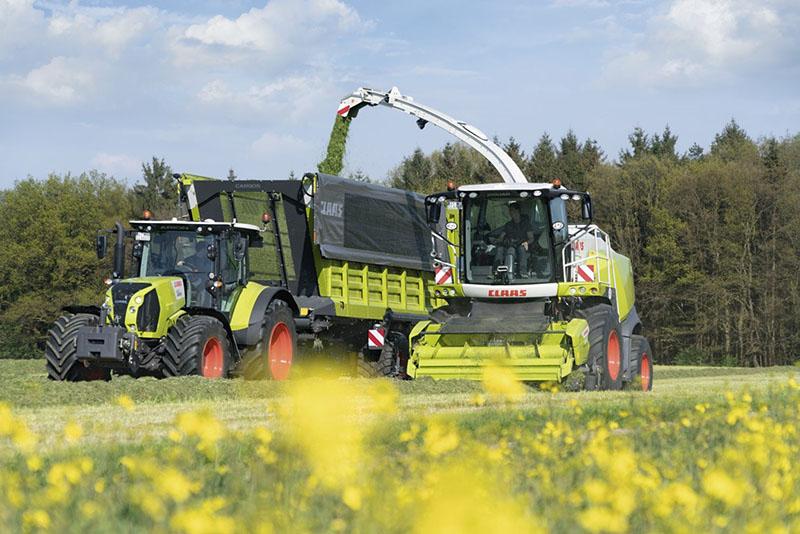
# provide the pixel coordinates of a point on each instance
(341, 455)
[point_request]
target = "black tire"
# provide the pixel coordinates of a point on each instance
(278, 333)
(642, 358)
(382, 367)
(604, 336)
(59, 351)
(197, 345)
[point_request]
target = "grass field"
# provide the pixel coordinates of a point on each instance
(709, 449)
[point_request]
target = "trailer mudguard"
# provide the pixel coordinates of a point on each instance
(252, 304)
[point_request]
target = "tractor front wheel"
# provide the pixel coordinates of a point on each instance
(605, 348)
(197, 345)
(59, 353)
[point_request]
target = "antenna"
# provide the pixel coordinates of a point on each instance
(231, 176)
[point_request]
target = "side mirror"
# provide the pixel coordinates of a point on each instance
(101, 246)
(433, 211)
(211, 252)
(586, 208)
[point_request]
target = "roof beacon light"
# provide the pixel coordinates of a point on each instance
(266, 218)
(556, 182)
(147, 215)
(451, 185)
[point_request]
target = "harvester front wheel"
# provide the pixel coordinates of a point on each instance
(197, 345)
(605, 348)
(642, 354)
(59, 353)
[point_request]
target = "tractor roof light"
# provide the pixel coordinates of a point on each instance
(266, 218)
(451, 185)
(556, 182)
(147, 215)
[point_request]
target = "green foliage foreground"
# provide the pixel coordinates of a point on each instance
(698, 454)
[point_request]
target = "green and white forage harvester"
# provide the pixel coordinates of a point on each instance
(526, 286)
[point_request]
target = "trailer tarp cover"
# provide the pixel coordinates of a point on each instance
(368, 223)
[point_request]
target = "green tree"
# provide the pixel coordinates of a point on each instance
(542, 165)
(159, 193)
(48, 259)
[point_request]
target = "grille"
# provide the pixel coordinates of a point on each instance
(121, 295)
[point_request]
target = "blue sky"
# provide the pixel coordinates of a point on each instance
(255, 85)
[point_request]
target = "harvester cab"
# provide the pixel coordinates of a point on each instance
(526, 287)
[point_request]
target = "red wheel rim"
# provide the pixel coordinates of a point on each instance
(280, 352)
(613, 359)
(212, 358)
(644, 371)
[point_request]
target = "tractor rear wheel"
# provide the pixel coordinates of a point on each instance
(642, 354)
(59, 353)
(274, 354)
(197, 345)
(605, 348)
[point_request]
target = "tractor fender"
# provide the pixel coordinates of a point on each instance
(248, 334)
(89, 310)
(210, 312)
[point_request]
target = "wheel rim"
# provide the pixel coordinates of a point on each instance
(280, 352)
(613, 360)
(645, 371)
(212, 358)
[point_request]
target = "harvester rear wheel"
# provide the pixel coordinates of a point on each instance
(197, 345)
(274, 354)
(642, 354)
(60, 348)
(605, 348)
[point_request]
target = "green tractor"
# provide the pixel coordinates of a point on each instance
(190, 309)
(527, 287)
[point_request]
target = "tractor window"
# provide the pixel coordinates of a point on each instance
(508, 240)
(181, 253)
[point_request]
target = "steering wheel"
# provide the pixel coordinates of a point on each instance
(179, 270)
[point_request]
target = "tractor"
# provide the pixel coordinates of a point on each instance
(190, 309)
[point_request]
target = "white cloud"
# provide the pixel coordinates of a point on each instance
(108, 30)
(282, 145)
(61, 81)
(277, 33)
(286, 99)
(19, 20)
(694, 41)
(119, 165)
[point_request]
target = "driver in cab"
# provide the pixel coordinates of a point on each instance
(515, 239)
(198, 262)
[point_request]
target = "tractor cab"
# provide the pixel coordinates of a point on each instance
(209, 257)
(491, 235)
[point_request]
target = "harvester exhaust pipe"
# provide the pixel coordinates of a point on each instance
(119, 251)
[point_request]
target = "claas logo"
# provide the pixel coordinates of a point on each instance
(508, 292)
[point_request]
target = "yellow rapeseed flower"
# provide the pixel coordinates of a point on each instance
(500, 382)
(72, 432)
(125, 402)
(352, 497)
(723, 487)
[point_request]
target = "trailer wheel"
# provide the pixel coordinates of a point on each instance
(642, 354)
(59, 352)
(605, 348)
(197, 345)
(383, 366)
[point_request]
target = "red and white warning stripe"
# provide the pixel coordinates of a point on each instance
(585, 273)
(376, 338)
(345, 105)
(444, 275)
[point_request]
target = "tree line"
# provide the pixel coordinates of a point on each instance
(711, 233)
